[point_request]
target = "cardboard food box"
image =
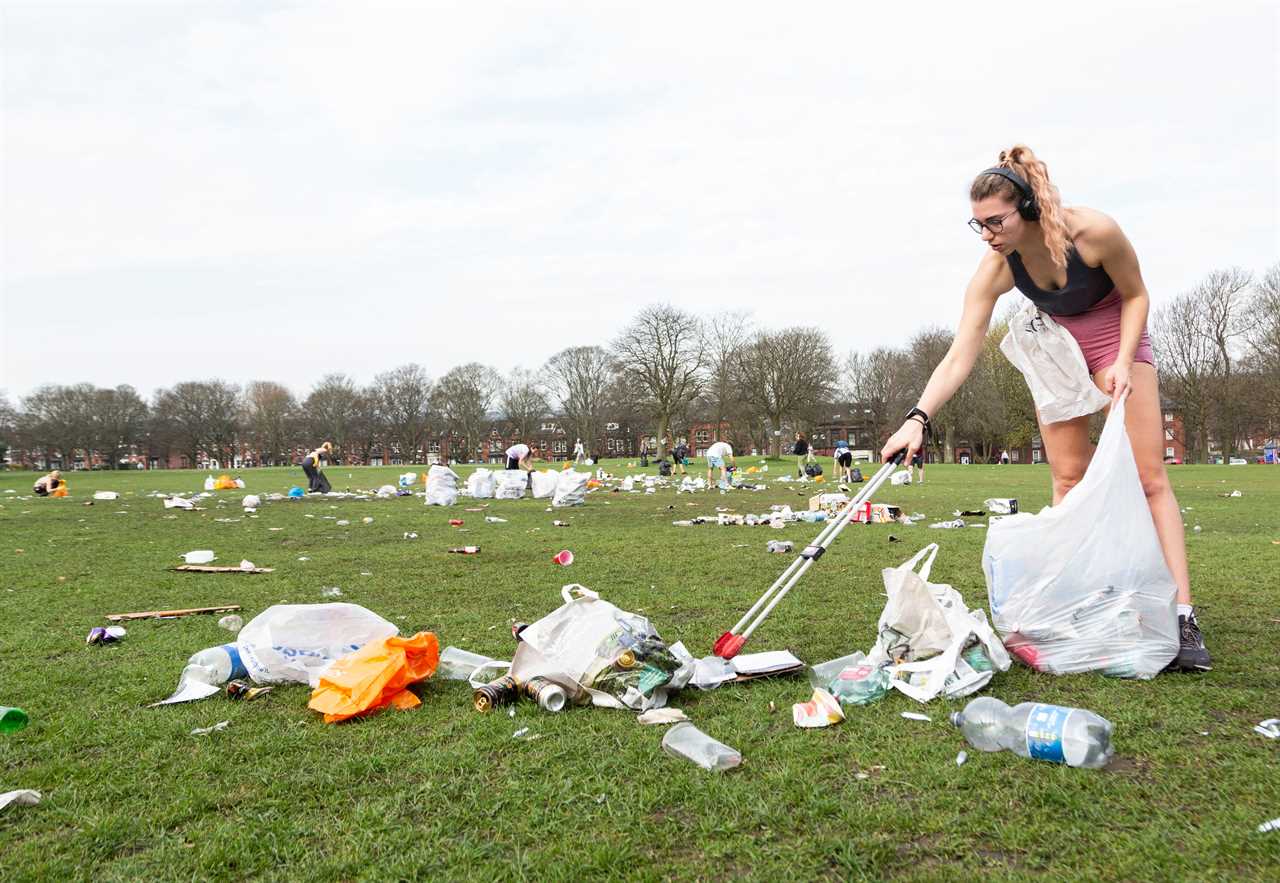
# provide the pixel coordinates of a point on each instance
(829, 503)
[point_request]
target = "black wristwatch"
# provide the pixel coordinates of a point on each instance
(924, 418)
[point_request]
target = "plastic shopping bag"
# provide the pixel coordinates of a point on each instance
(480, 484)
(544, 484)
(1083, 586)
(571, 489)
(510, 484)
(375, 676)
(293, 643)
(592, 648)
(442, 486)
(1054, 366)
(927, 635)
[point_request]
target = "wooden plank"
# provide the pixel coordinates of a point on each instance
(154, 614)
(210, 568)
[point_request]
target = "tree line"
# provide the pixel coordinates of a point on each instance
(1217, 345)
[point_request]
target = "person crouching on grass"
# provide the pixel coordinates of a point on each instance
(1077, 265)
(316, 482)
(720, 454)
(46, 484)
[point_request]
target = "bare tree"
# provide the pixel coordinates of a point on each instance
(1264, 343)
(522, 402)
(785, 374)
(364, 426)
(329, 410)
(271, 414)
(404, 400)
(880, 383)
(925, 350)
(579, 380)
(8, 425)
(56, 419)
(463, 398)
(199, 416)
(118, 421)
(724, 335)
(1189, 367)
(1224, 296)
(662, 352)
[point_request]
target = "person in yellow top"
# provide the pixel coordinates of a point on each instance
(311, 466)
(45, 484)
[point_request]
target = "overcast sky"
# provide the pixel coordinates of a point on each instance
(257, 190)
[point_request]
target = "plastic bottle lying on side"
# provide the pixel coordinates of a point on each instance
(1073, 736)
(687, 741)
(457, 665)
(215, 665)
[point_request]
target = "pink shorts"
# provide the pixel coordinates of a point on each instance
(1097, 330)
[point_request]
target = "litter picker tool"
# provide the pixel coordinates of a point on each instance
(730, 643)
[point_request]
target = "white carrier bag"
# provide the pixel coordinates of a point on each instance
(1083, 586)
(509, 484)
(480, 484)
(571, 489)
(544, 484)
(442, 486)
(1054, 366)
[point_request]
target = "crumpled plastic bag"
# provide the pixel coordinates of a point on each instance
(571, 489)
(1053, 364)
(294, 643)
(926, 634)
(544, 484)
(480, 484)
(375, 676)
(1083, 586)
(442, 486)
(589, 646)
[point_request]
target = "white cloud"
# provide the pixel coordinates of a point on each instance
(323, 186)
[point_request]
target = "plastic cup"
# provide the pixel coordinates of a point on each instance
(12, 719)
(564, 558)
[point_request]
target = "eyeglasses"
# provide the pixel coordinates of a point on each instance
(995, 225)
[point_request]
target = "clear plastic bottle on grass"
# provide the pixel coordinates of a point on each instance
(215, 665)
(1072, 736)
(687, 741)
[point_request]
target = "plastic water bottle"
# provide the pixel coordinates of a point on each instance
(1073, 736)
(215, 665)
(687, 741)
(457, 664)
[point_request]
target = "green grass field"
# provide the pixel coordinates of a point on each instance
(444, 792)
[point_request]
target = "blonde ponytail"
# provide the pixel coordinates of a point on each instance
(1053, 220)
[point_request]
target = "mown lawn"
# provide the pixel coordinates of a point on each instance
(446, 793)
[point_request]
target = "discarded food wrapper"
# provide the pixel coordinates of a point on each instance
(112, 495)
(820, 711)
(662, 716)
(204, 731)
(1269, 728)
(917, 716)
(246, 564)
(493, 519)
(1001, 505)
(686, 741)
(23, 797)
(199, 556)
(241, 690)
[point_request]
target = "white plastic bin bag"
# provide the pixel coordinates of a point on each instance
(510, 484)
(442, 486)
(571, 489)
(480, 484)
(1083, 586)
(544, 485)
(1054, 366)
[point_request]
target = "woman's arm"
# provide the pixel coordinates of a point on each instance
(991, 280)
(1102, 240)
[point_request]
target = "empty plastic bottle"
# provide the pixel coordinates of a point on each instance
(457, 664)
(215, 665)
(1073, 736)
(687, 741)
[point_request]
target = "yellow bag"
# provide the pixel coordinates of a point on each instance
(224, 483)
(59, 491)
(375, 676)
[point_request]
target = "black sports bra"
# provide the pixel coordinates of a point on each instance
(1085, 289)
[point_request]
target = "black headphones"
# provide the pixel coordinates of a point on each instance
(1028, 208)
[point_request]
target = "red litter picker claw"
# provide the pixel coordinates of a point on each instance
(564, 558)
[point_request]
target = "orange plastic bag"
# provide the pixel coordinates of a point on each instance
(59, 491)
(375, 676)
(224, 483)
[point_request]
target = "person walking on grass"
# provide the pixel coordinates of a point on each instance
(720, 454)
(579, 452)
(1077, 265)
(803, 456)
(680, 455)
(316, 482)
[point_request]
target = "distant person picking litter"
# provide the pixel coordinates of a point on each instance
(47, 484)
(720, 454)
(844, 461)
(520, 456)
(317, 483)
(801, 450)
(1076, 265)
(681, 454)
